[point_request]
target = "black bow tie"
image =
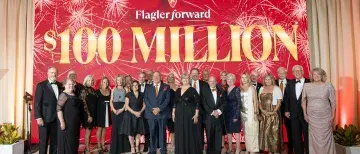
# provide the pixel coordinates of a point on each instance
(142, 85)
(214, 89)
(53, 82)
(297, 81)
(254, 84)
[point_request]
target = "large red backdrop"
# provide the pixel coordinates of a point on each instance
(58, 26)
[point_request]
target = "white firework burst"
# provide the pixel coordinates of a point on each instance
(298, 9)
(77, 2)
(115, 7)
(263, 67)
(79, 17)
(43, 3)
(303, 44)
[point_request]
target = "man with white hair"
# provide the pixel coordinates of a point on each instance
(282, 82)
(254, 76)
(294, 111)
(78, 86)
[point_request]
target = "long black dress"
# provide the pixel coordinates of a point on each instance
(89, 98)
(188, 139)
(171, 124)
(133, 125)
(119, 143)
(232, 111)
(68, 139)
(103, 110)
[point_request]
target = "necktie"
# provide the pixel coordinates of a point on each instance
(282, 86)
(194, 84)
(156, 90)
(297, 81)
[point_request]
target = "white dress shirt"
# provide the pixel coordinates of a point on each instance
(142, 87)
(197, 85)
(55, 88)
(299, 87)
(214, 93)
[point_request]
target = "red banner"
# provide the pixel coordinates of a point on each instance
(106, 38)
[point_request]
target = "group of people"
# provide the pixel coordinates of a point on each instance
(148, 106)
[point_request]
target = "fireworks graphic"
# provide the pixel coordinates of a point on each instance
(299, 9)
(79, 18)
(263, 67)
(41, 4)
(115, 7)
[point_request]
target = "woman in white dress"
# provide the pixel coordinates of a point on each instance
(249, 113)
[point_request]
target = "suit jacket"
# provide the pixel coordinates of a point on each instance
(209, 105)
(162, 101)
(45, 101)
(291, 103)
(258, 86)
(203, 85)
(145, 84)
(282, 102)
(78, 88)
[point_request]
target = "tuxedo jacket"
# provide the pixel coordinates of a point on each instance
(45, 101)
(258, 86)
(78, 88)
(291, 103)
(210, 105)
(161, 101)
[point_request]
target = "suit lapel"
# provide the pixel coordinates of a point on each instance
(48, 84)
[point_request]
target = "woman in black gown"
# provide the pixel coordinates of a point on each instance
(171, 125)
(103, 113)
(185, 115)
(89, 99)
(133, 124)
(119, 142)
(69, 110)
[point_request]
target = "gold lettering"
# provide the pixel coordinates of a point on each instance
(174, 39)
(189, 46)
(288, 43)
(116, 45)
(212, 44)
(235, 43)
(246, 43)
(65, 45)
(91, 51)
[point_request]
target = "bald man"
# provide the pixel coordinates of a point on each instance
(214, 103)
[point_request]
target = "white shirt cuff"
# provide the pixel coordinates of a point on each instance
(218, 110)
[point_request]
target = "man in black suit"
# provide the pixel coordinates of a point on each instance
(199, 86)
(282, 82)
(254, 76)
(46, 96)
(78, 86)
(214, 103)
(293, 110)
(142, 85)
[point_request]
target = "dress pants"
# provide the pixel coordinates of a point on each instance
(214, 133)
(299, 127)
(46, 132)
(157, 129)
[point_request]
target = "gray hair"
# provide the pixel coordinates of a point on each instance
(87, 78)
(297, 66)
(183, 76)
(321, 72)
(230, 75)
(281, 68)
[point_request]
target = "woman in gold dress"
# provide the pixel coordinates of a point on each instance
(269, 103)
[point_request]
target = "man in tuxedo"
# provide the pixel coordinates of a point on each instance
(254, 76)
(46, 96)
(78, 86)
(294, 112)
(281, 82)
(205, 75)
(214, 105)
(157, 112)
(142, 85)
(199, 86)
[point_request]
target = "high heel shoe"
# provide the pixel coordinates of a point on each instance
(137, 150)
(133, 150)
(104, 148)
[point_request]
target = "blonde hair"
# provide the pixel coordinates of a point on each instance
(248, 79)
(167, 77)
(271, 77)
(230, 75)
(183, 76)
(321, 72)
(87, 79)
(122, 78)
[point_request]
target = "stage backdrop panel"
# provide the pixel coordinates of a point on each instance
(110, 37)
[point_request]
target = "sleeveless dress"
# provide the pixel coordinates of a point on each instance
(103, 110)
(133, 125)
(68, 139)
(250, 125)
(119, 143)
